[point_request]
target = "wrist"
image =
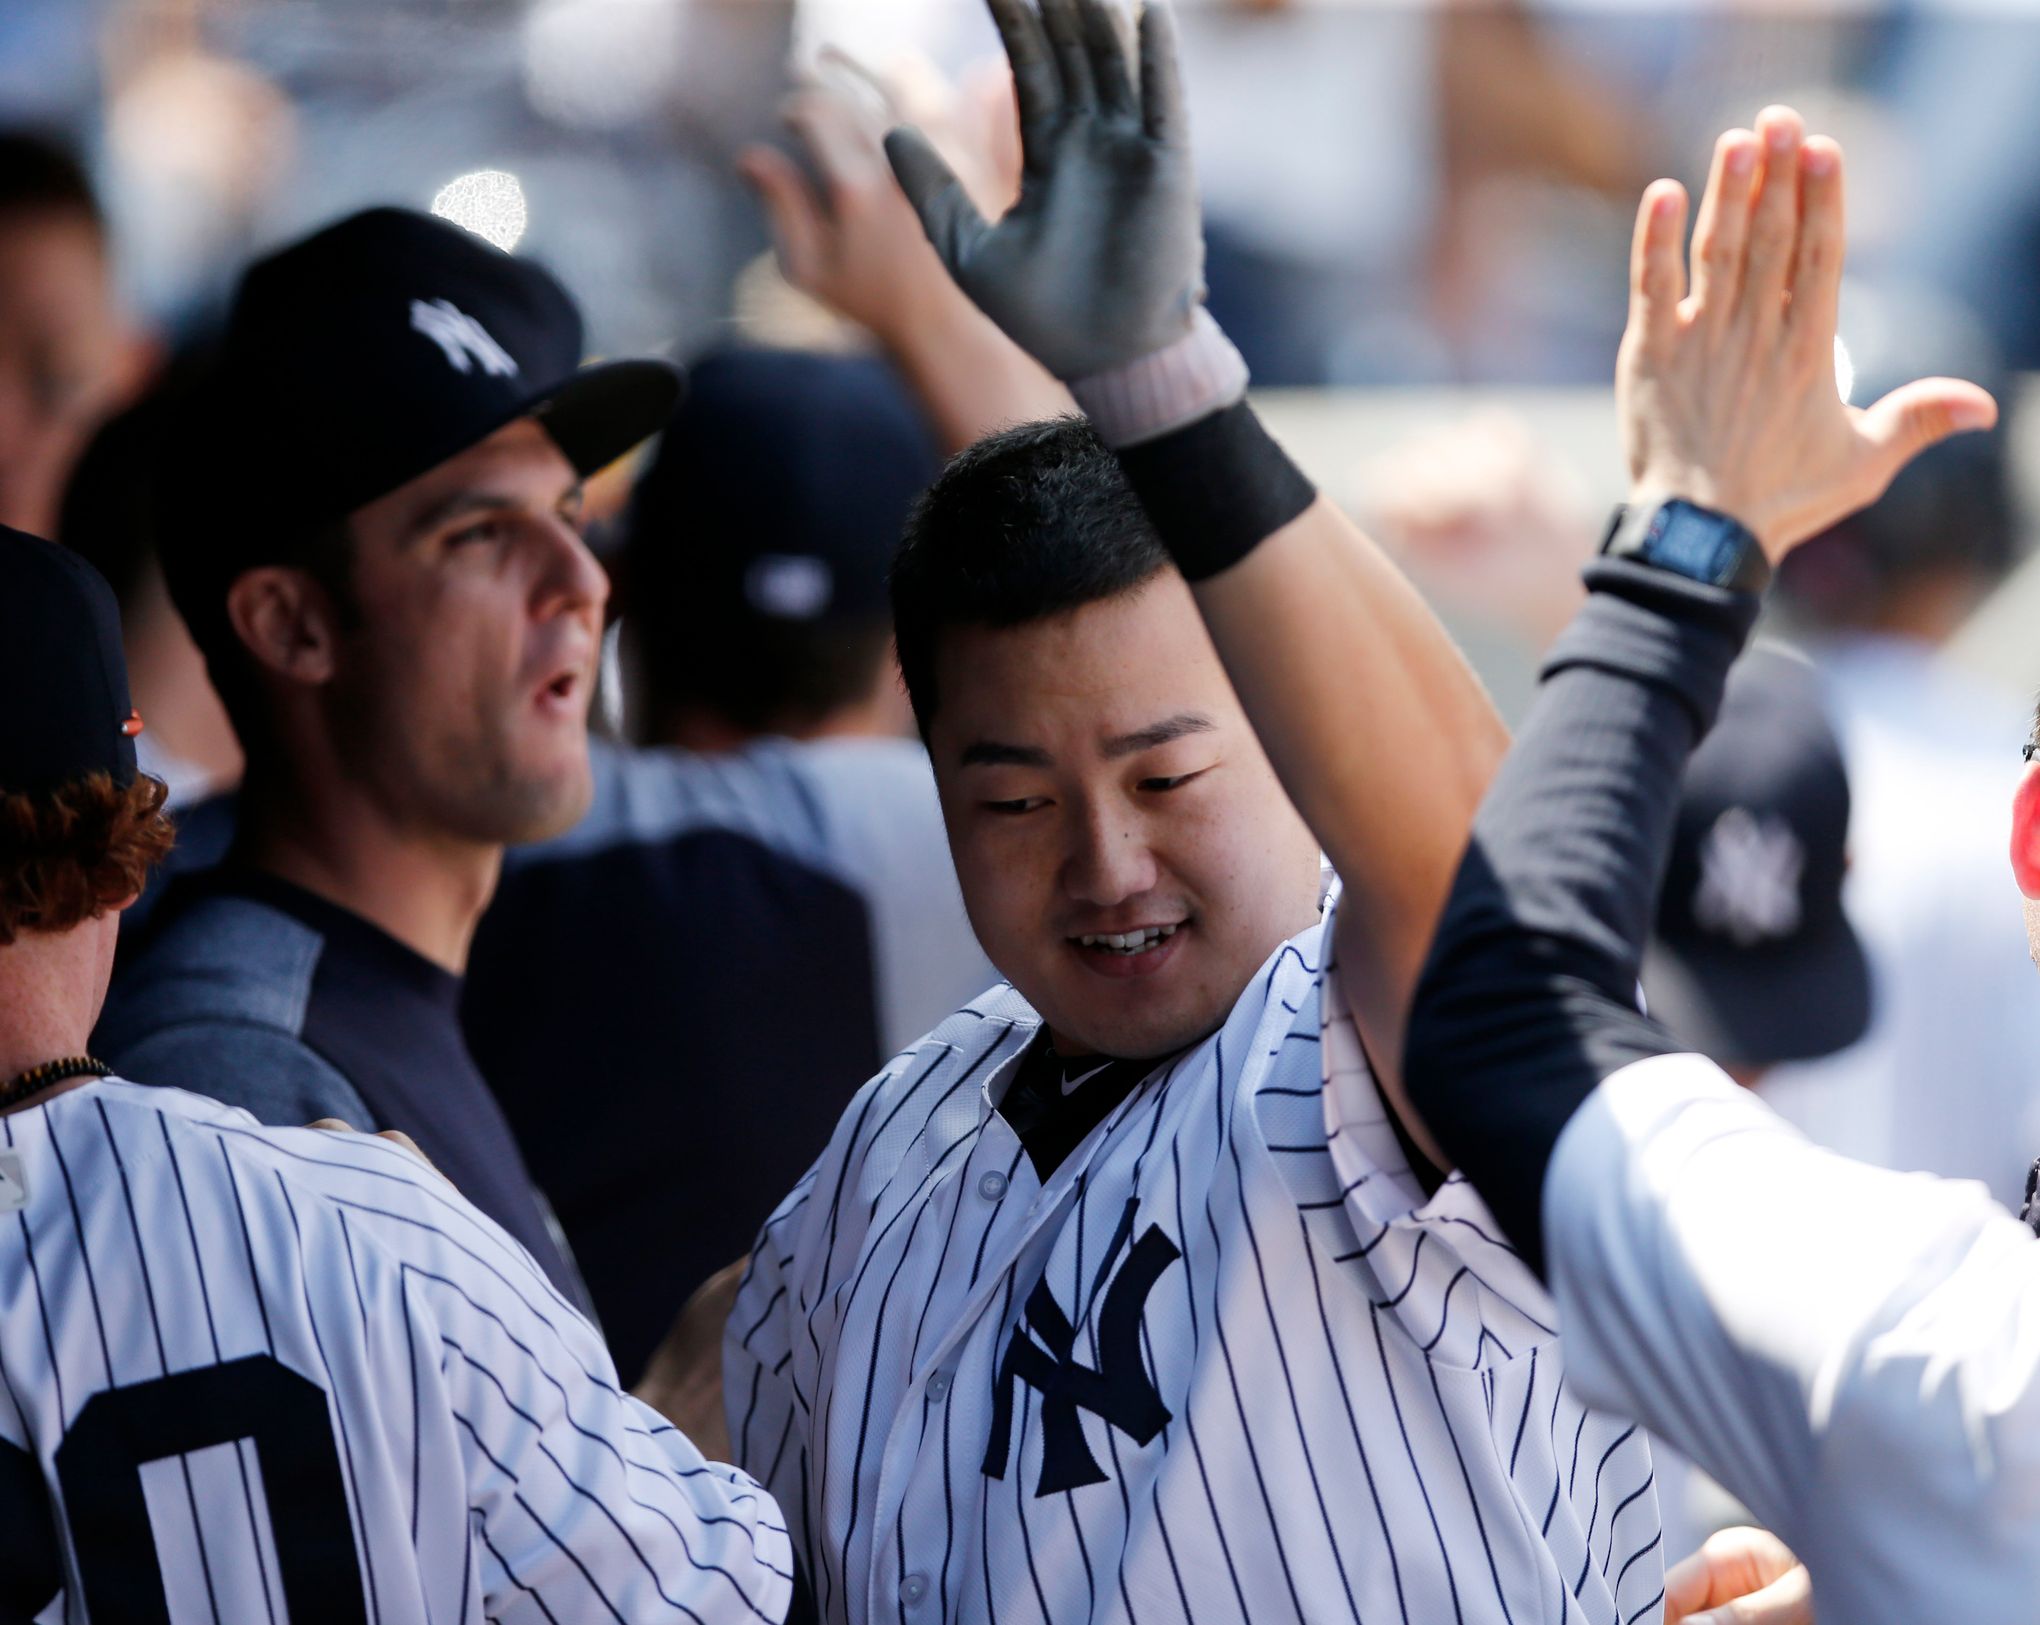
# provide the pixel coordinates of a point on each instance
(1196, 377)
(1685, 537)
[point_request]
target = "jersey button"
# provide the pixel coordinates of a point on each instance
(992, 1187)
(913, 1588)
(938, 1386)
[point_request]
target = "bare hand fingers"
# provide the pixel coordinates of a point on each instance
(1072, 56)
(331, 1125)
(1787, 1600)
(795, 218)
(1817, 266)
(1037, 82)
(1918, 415)
(841, 139)
(1657, 271)
(1723, 227)
(1161, 80)
(1731, 1563)
(1774, 220)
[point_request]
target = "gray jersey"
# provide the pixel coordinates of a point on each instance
(1228, 1362)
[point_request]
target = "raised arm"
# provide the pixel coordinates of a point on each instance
(1848, 1350)
(855, 246)
(1381, 733)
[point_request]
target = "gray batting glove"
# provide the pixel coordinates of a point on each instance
(1101, 261)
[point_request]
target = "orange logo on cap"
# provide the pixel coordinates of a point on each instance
(133, 725)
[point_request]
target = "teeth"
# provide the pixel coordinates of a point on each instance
(1129, 942)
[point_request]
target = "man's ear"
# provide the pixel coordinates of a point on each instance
(2026, 833)
(285, 620)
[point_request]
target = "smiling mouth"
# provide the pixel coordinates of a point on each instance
(1127, 943)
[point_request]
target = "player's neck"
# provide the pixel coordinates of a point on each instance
(426, 890)
(51, 987)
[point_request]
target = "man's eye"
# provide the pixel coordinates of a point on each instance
(1176, 783)
(484, 530)
(1025, 804)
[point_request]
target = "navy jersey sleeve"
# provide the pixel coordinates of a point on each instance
(1528, 999)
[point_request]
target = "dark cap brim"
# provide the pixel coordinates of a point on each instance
(602, 411)
(1758, 1009)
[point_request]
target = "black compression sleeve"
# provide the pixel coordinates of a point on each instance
(1528, 999)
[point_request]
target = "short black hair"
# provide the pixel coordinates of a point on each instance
(1027, 524)
(38, 172)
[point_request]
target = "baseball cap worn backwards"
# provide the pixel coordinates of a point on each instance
(780, 489)
(64, 707)
(363, 356)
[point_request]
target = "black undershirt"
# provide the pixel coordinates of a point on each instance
(1055, 1101)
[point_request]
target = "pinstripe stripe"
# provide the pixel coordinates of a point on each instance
(515, 1462)
(1306, 1261)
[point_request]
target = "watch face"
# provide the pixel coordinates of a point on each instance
(1694, 545)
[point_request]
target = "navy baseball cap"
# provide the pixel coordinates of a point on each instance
(361, 357)
(1754, 961)
(780, 490)
(67, 713)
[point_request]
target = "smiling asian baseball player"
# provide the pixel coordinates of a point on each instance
(1122, 1296)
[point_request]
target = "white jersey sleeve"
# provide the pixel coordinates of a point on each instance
(266, 1372)
(1854, 1352)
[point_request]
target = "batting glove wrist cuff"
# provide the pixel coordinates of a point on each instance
(1197, 376)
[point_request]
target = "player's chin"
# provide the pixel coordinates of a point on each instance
(548, 794)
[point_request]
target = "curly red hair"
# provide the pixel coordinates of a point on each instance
(69, 855)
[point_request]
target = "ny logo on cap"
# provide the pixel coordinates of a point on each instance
(464, 340)
(1749, 878)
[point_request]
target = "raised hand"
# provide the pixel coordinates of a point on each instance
(1727, 391)
(1101, 261)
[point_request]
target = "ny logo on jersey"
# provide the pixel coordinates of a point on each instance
(465, 342)
(1119, 1392)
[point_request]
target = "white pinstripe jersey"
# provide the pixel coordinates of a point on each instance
(252, 1374)
(1227, 1364)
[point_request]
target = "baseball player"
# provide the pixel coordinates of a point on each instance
(1849, 1350)
(253, 1373)
(1122, 1296)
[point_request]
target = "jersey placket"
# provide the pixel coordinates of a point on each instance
(1021, 1235)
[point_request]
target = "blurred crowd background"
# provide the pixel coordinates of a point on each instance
(1456, 213)
(1418, 232)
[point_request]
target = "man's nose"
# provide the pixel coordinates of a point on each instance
(572, 578)
(1110, 860)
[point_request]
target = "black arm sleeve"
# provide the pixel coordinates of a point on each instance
(1528, 999)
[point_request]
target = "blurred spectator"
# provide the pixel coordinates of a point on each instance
(1754, 961)
(66, 355)
(754, 581)
(108, 515)
(1944, 1082)
(777, 853)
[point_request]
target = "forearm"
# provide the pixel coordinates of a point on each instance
(1379, 730)
(969, 378)
(1527, 1000)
